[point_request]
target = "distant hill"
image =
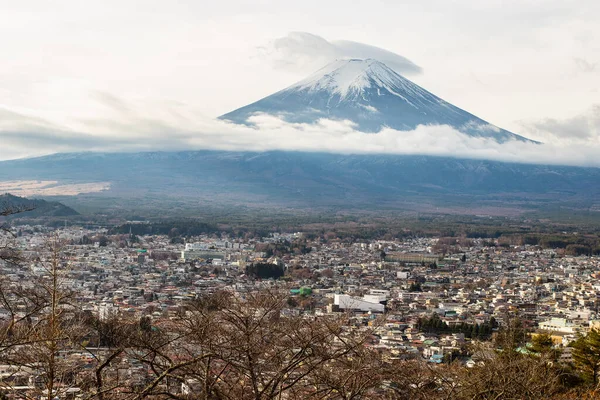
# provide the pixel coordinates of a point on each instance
(34, 208)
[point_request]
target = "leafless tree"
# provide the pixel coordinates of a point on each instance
(232, 347)
(8, 250)
(42, 326)
(505, 369)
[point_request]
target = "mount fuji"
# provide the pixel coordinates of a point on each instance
(365, 92)
(371, 95)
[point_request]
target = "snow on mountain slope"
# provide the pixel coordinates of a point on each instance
(350, 78)
(370, 94)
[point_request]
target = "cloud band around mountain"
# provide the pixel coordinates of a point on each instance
(172, 129)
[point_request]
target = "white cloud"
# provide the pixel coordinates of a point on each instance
(585, 65)
(306, 52)
(582, 128)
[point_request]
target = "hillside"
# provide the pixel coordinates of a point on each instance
(33, 208)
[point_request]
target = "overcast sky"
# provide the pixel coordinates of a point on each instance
(90, 75)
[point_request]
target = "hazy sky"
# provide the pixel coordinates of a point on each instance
(79, 75)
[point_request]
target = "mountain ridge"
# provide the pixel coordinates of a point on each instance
(303, 180)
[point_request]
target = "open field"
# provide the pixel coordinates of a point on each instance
(28, 188)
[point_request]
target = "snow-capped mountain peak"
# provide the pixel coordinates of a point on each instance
(370, 94)
(349, 76)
